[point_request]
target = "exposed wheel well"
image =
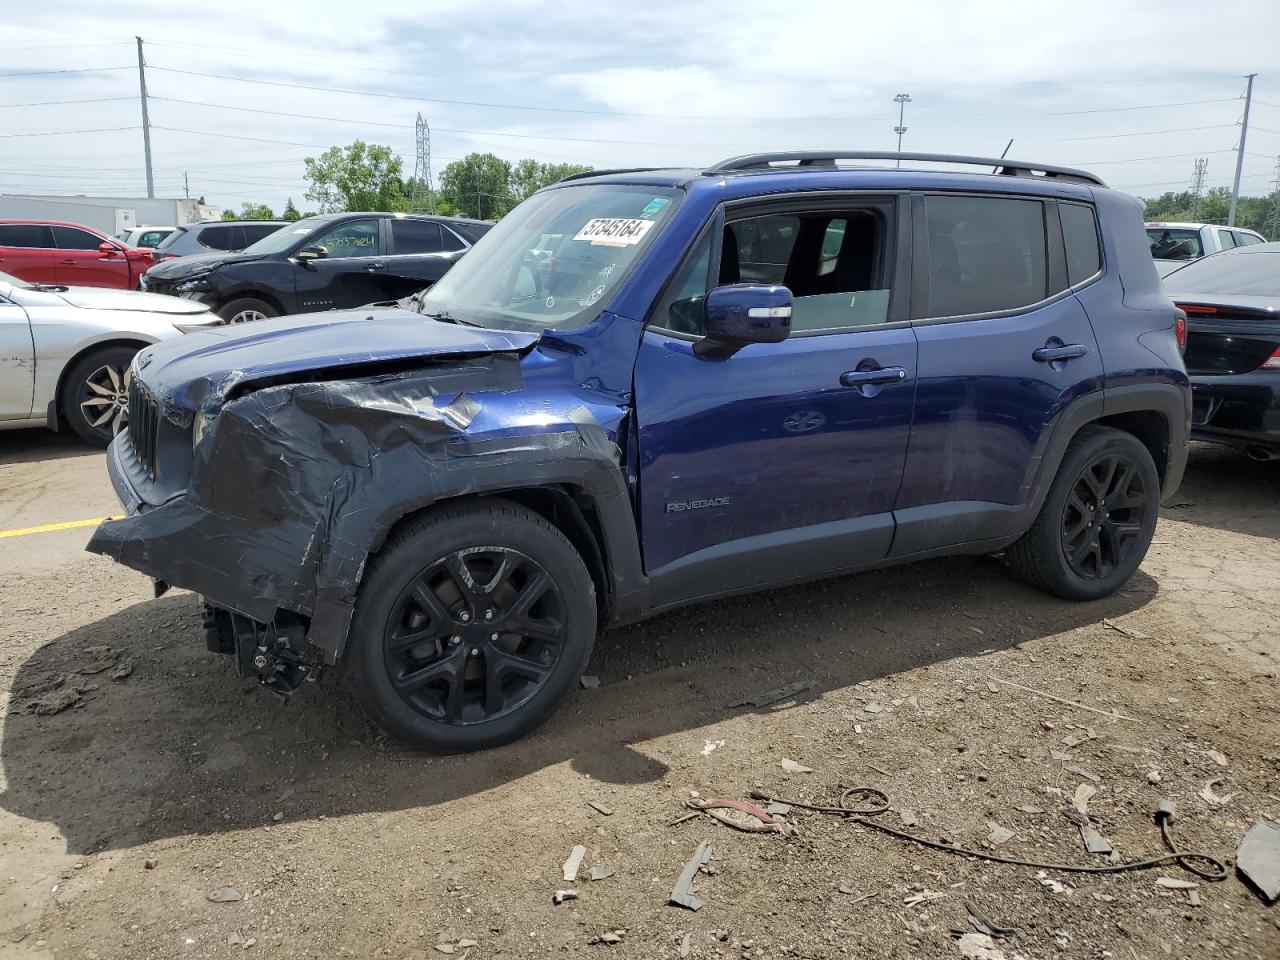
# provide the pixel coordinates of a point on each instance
(565, 508)
(253, 294)
(1150, 427)
(72, 361)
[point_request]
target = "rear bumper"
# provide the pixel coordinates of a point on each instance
(1242, 410)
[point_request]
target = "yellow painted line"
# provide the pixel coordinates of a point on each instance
(53, 527)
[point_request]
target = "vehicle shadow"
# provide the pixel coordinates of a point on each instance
(25, 446)
(181, 746)
(1225, 489)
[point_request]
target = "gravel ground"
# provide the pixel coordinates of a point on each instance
(121, 815)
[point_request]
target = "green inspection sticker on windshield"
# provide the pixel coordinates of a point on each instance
(655, 206)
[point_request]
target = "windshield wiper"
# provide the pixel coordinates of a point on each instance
(444, 316)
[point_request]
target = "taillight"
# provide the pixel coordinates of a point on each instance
(1180, 328)
(1272, 362)
(1195, 308)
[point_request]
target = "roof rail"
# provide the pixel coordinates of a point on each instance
(604, 173)
(827, 159)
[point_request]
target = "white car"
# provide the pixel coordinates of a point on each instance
(1174, 244)
(146, 236)
(65, 352)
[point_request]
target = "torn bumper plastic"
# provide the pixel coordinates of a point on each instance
(293, 486)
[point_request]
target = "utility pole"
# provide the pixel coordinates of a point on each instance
(422, 190)
(186, 185)
(901, 100)
(1197, 185)
(1244, 132)
(1272, 229)
(146, 122)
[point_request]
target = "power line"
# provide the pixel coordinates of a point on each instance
(63, 133)
(46, 73)
(1147, 133)
(56, 103)
(1076, 113)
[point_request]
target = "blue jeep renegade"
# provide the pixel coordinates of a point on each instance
(648, 388)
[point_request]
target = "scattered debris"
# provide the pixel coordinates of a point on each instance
(225, 895)
(1084, 793)
(1218, 757)
(589, 682)
(857, 897)
(682, 892)
(601, 872)
(778, 809)
(873, 708)
(1081, 772)
(446, 947)
(1052, 885)
(1173, 883)
(1153, 776)
(102, 658)
(122, 670)
(777, 695)
(908, 817)
(600, 808)
(981, 924)
(992, 687)
(560, 896)
(1258, 859)
(979, 946)
(999, 834)
(60, 701)
(741, 815)
(277, 816)
(573, 863)
(148, 864)
(1131, 634)
(792, 767)
(610, 936)
(1214, 799)
(1030, 808)
(710, 746)
(1071, 703)
(1094, 842)
(922, 896)
(685, 948)
(1193, 898)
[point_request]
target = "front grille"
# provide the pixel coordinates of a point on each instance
(144, 422)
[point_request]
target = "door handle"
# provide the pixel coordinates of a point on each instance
(862, 378)
(375, 266)
(70, 262)
(1069, 351)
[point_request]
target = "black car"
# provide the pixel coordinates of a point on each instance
(1232, 302)
(321, 263)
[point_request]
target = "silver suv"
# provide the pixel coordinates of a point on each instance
(215, 236)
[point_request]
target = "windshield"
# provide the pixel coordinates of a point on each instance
(284, 238)
(554, 257)
(1174, 244)
(1251, 273)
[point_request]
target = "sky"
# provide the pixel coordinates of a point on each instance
(240, 92)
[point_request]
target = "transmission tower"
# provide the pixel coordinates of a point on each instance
(423, 193)
(1272, 229)
(1197, 186)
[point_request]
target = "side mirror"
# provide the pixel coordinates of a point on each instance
(108, 249)
(311, 253)
(743, 313)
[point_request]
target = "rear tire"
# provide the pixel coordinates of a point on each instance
(473, 623)
(247, 310)
(1097, 521)
(95, 391)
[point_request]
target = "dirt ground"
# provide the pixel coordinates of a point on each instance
(120, 816)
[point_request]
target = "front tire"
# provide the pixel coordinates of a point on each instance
(95, 394)
(473, 623)
(247, 310)
(1097, 521)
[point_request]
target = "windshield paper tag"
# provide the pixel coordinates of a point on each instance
(614, 232)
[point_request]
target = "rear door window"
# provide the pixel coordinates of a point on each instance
(355, 238)
(985, 255)
(253, 232)
(69, 238)
(416, 236)
(1245, 239)
(1226, 239)
(451, 241)
(1080, 238)
(31, 235)
(1175, 243)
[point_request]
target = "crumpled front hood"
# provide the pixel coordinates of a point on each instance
(201, 370)
(101, 298)
(184, 267)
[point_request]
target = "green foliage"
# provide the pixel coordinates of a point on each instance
(1213, 206)
(250, 211)
(483, 186)
(529, 176)
(290, 211)
(359, 176)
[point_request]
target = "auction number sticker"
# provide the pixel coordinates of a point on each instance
(614, 231)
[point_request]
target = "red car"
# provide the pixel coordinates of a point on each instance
(68, 254)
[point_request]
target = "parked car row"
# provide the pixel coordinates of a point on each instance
(1174, 244)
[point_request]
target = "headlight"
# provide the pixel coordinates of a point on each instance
(192, 284)
(201, 423)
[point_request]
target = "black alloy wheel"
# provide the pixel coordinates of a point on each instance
(475, 635)
(1104, 516)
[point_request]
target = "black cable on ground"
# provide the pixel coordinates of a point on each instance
(875, 802)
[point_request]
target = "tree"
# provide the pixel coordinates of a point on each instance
(256, 211)
(1213, 207)
(478, 185)
(359, 176)
(290, 211)
(529, 176)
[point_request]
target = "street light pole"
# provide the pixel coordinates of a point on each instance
(901, 100)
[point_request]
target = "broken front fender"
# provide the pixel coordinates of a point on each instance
(293, 486)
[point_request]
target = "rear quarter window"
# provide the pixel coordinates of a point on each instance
(25, 235)
(1080, 239)
(219, 238)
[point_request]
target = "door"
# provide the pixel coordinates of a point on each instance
(350, 274)
(17, 363)
(780, 461)
(81, 264)
(27, 252)
(1005, 347)
(421, 252)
